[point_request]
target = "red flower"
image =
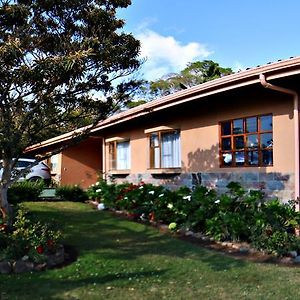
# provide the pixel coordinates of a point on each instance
(40, 249)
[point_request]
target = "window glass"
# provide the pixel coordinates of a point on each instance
(239, 142)
(253, 157)
(227, 159)
(226, 128)
(154, 140)
(123, 155)
(266, 140)
(252, 141)
(251, 124)
(267, 157)
(239, 158)
(165, 150)
(170, 145)
(249, 144)
(238, 126)
(226, 144)
(266, 123)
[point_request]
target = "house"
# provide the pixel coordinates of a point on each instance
(242, 127)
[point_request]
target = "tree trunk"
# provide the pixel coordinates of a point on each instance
(4, 185)
(4, 201)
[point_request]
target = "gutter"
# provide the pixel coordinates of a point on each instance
(293, 93)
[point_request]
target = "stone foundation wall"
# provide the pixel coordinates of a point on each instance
(272, 184)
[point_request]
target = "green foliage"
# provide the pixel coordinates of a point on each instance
(195, 73)
(274, 227)
(29, 237)
(71, 193)
(236, 215)
(62, 65)
(25, 191)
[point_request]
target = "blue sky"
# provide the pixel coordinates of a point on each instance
(234, 33)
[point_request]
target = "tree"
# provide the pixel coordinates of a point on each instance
(59, 60)
(195, 73)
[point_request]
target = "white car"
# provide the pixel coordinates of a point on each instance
(39, 171)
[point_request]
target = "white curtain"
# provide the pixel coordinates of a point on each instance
(155, 144)
(170, 147)
(123, 156)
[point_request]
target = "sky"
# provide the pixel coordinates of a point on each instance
(234, 33)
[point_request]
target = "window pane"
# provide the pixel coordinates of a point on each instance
(238, 126)
(156, 160)
(240, 158)
(253, 157)
(252, 141)
(267, 157)
(266, 123)
(266, 140)
(239, 142)
(112, 156)
(226, 144)
(251, 124)
(123, 156)
(227, 159)
(170, 153)
(226, 128)
(154, 142)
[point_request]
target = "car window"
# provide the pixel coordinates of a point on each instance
(23, 164)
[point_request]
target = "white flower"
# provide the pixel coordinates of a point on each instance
(151, 193)
(98, 183)
(92, 185)
(188, 198)
(170, 205)
(217, 201)
(125, 198)
(141, 187)
(98, 190)
(161, 195)
(100, 206)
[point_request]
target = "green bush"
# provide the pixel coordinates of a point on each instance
(25, 191)
(71, 193)
(235, 216)
(274, 227)
(29, 237)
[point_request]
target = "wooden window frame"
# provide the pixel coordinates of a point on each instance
(246, 150)
(112, 155)
(152, 149)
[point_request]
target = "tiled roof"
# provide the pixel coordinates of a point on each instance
(272, 70)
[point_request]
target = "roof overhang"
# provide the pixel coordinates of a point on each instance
(272, 71)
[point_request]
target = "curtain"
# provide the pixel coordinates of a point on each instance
(123, 156)
(170, 147)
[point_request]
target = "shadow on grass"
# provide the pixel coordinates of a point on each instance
(115, 238)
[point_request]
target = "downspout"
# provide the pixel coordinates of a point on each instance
(103, 160)
(268, 85)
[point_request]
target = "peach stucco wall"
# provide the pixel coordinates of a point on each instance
(199, 125)
(81, 164)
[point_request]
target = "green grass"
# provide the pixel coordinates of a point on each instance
(120, 259)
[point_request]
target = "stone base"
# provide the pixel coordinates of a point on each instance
(272, 184)
(23, 266)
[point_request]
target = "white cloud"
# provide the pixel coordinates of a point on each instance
(165, 54)
(237, 66)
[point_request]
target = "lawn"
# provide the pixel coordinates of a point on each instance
(120, 259)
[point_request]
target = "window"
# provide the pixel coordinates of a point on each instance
(165, 149)
(119, 155)
(247, 142)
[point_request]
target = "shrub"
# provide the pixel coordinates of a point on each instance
(274, 227)
(236, 215)
(71, 193)
(29, 237)
(25, 191)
